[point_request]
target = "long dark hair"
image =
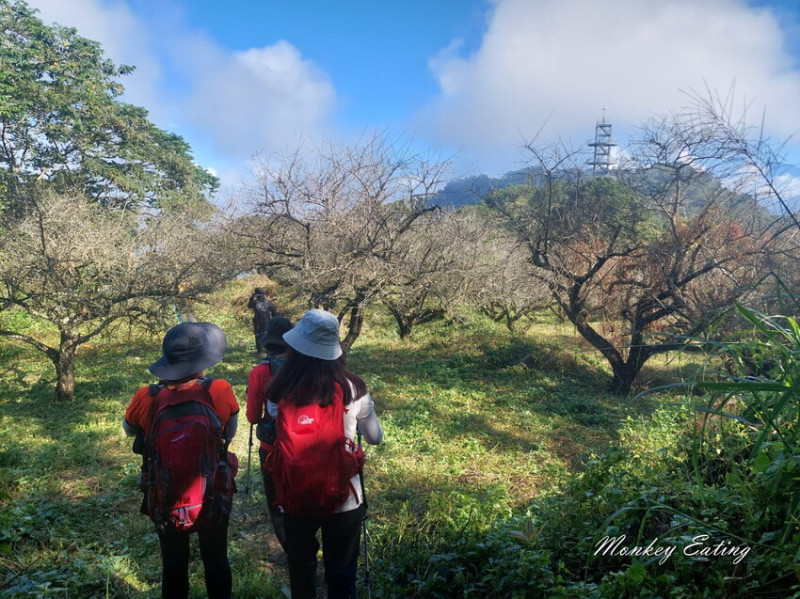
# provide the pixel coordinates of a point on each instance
(310, 380)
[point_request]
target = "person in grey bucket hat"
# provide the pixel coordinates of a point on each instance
(188, 349)
(316, 335)
(314, 372)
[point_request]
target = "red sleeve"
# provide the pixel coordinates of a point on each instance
(225, 403)
(138, 412)
(256, 392)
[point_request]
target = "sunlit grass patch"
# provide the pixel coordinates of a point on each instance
(478, 421)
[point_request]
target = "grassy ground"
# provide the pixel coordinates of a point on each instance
(477, 421)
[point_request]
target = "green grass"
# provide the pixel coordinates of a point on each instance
(479, 423)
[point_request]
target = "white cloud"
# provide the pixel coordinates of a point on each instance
(789, 187)
(260, 99)
(228, 105)
(558, 64)
(545, 64)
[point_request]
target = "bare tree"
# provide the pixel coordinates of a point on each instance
(81, 267)
(642, 263)
(755, 163)
(330, 223)
(432, 268)
(504, 284)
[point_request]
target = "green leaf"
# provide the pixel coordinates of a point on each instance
(761, 463)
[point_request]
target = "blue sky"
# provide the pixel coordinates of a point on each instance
(467, 79)
(376, 53)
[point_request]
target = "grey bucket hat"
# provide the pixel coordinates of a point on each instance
(316, 335)
(188, 348)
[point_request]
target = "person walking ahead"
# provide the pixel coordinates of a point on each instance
(317, 484)
(201, 416)
(263, 309)
(257, 414)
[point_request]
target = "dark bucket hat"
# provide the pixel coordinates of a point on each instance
(276, 327)
(188, 348)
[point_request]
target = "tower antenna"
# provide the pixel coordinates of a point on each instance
(601, 162)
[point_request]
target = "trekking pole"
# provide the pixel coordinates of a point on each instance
(367, 575)
(249, 456)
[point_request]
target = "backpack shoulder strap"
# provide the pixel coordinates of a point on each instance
(205, 383)
(153, 391)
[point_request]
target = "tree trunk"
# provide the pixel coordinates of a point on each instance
(404, 325)
(625, 373)
(623, 377)
(405, 329)
(64, 361)
(353, 326)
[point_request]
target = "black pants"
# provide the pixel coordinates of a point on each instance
(175, 562)
(275, 513)
(340, 544)
(259, 329)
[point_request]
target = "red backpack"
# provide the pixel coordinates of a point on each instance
(188, 472)
(312, 462)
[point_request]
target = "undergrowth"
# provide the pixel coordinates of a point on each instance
(507, 471)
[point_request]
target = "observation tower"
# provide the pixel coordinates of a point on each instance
(601, 162)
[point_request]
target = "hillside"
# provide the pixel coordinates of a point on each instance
(471, 190)
(505, 463)
(471, 436)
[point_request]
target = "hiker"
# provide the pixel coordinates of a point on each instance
(263, 309)
(207, 410)
(260, 376)
(317, 402)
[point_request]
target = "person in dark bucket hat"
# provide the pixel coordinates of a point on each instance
(314, 373)
(257, 414)
(188, 349)
(272, 337)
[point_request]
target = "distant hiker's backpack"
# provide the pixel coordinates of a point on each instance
(188, 472)
(260, 303)
(261, 307)
(312, 462)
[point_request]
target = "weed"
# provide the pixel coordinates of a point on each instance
(504, 463)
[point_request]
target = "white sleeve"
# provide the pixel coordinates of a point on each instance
(368, 421)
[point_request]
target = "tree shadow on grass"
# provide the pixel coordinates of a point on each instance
(522, 395)
(75, 499)
(68, 464)
(520, 399)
